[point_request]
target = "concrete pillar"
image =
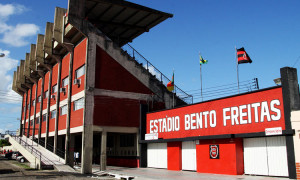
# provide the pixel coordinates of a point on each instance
(103, 151)
(69, 159)
(71, 150)
(29, 109)
(25, 105)
(48, 108)
(41, 109)
(34, 111)
(57, 107)
(87, 150)
(291, 101)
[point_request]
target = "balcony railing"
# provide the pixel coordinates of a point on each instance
(155, 72)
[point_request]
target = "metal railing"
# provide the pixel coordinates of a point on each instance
(50, 147)
(30, 148)
(143, 62)
(59, 152)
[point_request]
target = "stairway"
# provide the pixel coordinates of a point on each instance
(38, 156)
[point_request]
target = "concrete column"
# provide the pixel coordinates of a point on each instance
(29, 111)
(34, 111)
(71, 150)
(57, 107)
(21, 126)
(291, 101)
(41, 109)
(87, 149)
(103, 151)
(48, 108)
(69, 158)
(87, 134)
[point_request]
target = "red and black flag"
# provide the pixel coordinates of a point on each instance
(242, 56)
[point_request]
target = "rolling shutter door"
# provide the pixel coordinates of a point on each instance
(157, 155)
(189, 155)
(266, 156)
(277, 156)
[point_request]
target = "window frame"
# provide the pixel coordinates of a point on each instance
(44, 118)
(61, 110)
(54, 89)
(46, 94)
(78, 69)
(66, 79)
(51, 114)
(78, 101)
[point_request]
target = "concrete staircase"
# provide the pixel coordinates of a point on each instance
(38, 156)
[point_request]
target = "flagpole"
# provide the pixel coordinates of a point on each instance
(174, 88)
(237, 70)
(201, 79)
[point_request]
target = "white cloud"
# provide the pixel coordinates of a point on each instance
(6, 93)
(15, 35)
(7, 10)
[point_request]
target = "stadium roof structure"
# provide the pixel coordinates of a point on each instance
(122, 21)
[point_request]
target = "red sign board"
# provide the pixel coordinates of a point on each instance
(249, 113)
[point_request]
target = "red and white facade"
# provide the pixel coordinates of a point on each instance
(244, 134)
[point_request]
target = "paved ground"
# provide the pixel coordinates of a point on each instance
(163, 174)
(11, 170)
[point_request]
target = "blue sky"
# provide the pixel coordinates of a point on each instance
(269, 31)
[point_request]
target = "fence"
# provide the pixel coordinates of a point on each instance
(135, 55)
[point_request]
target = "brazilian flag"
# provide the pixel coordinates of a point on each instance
(202, 60)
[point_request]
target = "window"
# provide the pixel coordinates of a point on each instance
(31, 122)
(24, 109)
(46, 95)
(39, 99)
(63, 110)
(127, 140)
(53, 114)
(65, 81)
(44, 117)
(33, 102)
(37, 120)
(80, 72)
(78, 104)
(54, 88)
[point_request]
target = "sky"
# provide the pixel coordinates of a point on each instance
(267, 29)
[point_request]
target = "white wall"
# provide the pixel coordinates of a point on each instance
(295, 120)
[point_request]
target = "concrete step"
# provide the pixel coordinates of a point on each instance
(64, 168)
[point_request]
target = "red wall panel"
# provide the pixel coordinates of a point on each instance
(26, 128)
(76, 117)
(43, 128)
(116, 112)
(78, 61)
(38, 104)
(62, 122)
(32, 98)
(54, 82)
(247, 113)
(64, 74)
(111, 75)
(174, 156)
(229, 151)
(122, 162)
(23, 110)
(46, 84)
(28, 102)
(51, 125)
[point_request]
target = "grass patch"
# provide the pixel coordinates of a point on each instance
(23, 165)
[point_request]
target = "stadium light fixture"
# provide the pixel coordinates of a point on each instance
(277, 81)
